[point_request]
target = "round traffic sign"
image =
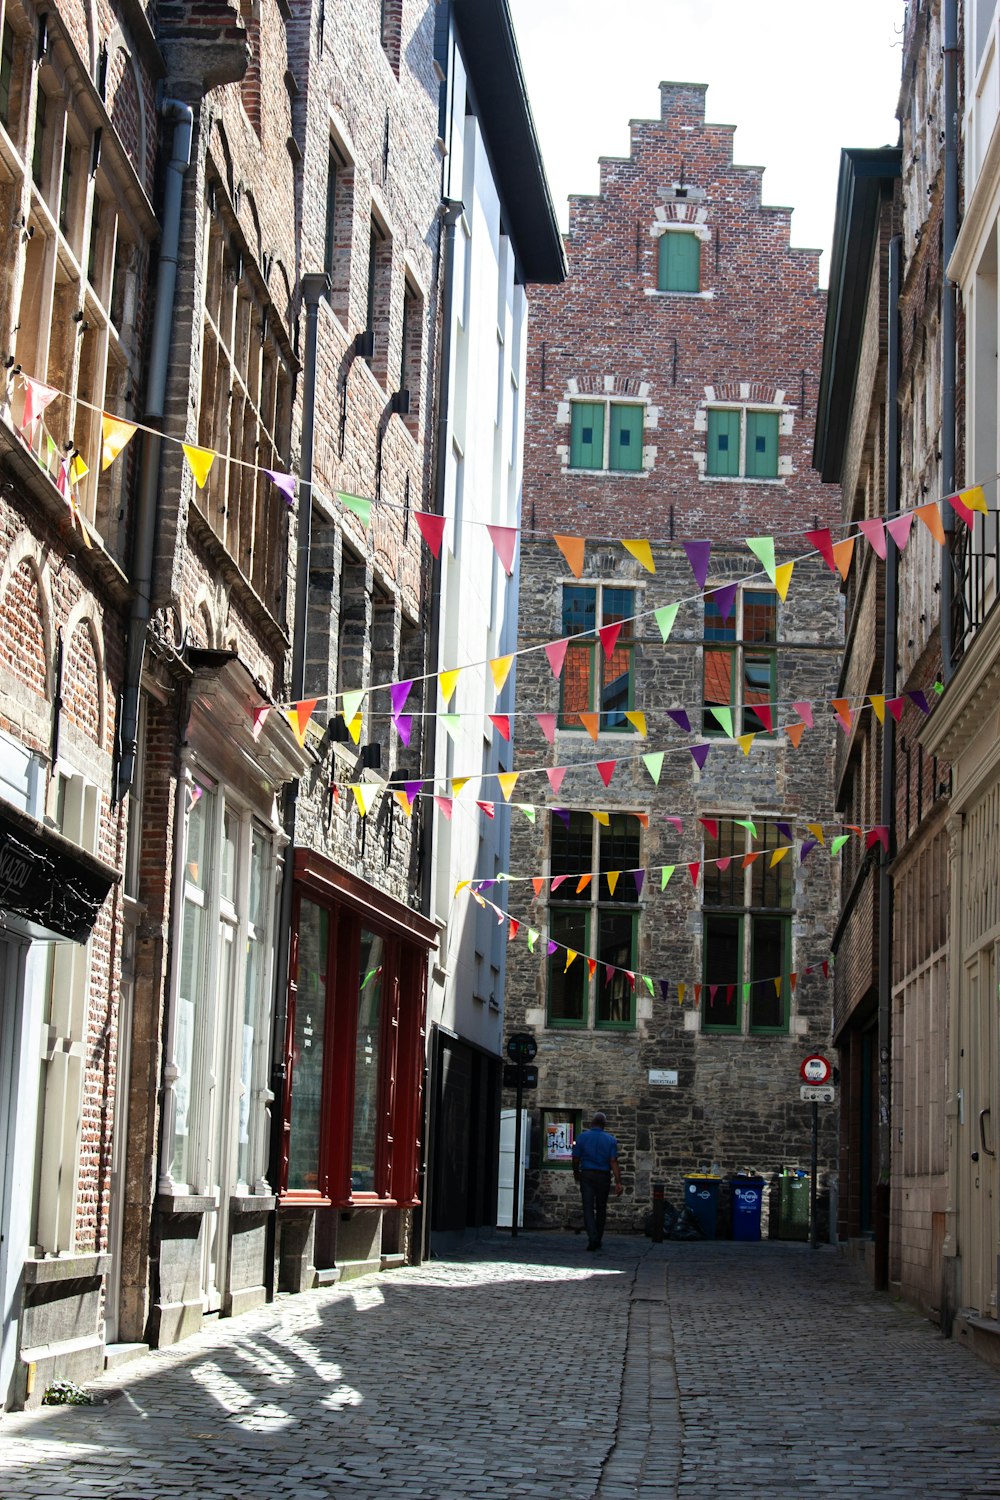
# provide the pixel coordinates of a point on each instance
(521, 1046)
(816, 1069)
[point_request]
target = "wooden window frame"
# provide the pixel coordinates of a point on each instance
(740, 651)
(598, 662)
(744, 411)
(608, 405)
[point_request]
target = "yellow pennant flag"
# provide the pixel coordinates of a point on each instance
(77, 469)
(201, 461)
(638, 720)
(457, 784)
(114, 435)
(745, 741)
(603, 818)
(816, 829)
(404, 802)
(777, 988)
(642, 552)
(681, 992)
(500, 667)
(782, 578)
(777, 855)
(461, 886)
(613, 877)
(571, 954)
(975, 499)
(354, 728)
(877, 701)
(508, 781)
(447, 681)
(365, 793)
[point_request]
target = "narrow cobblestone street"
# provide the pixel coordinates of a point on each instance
(532, 1369)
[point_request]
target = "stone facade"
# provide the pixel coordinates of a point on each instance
(743, 338)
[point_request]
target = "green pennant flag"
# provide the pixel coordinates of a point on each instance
(665, 617)
(361, 506)
(665, 875)
(533, 936)
(649, 985)
(725, 718)
(762, 548)
(838, 843)
(527, 809)
(452, 724)
(746, 994)
(350, 704)
(747, 823)
(654, 764)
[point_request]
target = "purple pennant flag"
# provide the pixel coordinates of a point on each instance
(664, 988)
(700, 755)
(551, 947)
(285, 483)
(399, 692)
(808, 845)
(562, 813)
(680, 718)
(485, 885)
(403, 725)
(785, 829)
(920, 700)
(412, 788)
(638, 876)
(698, 554)
(725, 598)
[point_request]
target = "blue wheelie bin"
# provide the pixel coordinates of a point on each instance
(747, 1202)
(701, 1196)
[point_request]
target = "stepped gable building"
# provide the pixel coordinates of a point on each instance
(672, 385)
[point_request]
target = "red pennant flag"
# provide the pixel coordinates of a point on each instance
(763, 712)
(826, 969)
(697, 994)
(609, 636)
(504, 539)
(547, 724)
(555, 775)
(693, 871)
(960, 508)
(895, 707)
(487, 808)
(556, 653)
(609, 973)
(711, 826)
(591, 967)
(606, 769)
(512, 929)
(823, 543)
(501, 723)
(431, 528)
(878, 835)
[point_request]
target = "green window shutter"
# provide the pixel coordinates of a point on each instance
(626, 437)
(723, 443)
(762, 444)
(586, 449)
(680, 263)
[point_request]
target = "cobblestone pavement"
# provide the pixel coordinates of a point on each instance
(532, 1369)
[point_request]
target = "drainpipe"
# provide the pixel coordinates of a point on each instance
(950, 234)
(883, 1196)
(314, 287)
(144, 538)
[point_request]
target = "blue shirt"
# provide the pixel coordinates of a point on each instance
(595, 1150)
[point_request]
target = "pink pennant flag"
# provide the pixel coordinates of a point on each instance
(609, 974)
(609, 636)
(606, 769)
(875, 532)
(555, 775)
(899, 529)
(556, 653)
(399, 692)
(501, 723)
(444, 803)
(698, 555)
(504, 539)
(36, 398)
(823, 543)
(431, 528)
(804, 710)
(547, 724)
(724, 863)
(258, 717)
(672, 818)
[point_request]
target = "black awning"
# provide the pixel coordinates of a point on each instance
(48, 887)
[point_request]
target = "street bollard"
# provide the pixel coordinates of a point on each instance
(658, 1210)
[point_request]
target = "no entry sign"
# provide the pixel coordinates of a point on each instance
(815, 1069)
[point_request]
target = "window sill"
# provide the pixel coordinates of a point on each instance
(608, 473)
(739, 479)
(186, 1203)
(46, 1269)
(253, 1203)
(655, 291)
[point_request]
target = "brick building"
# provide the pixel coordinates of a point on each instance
(672, 385)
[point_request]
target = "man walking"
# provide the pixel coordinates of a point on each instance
(595, 1158)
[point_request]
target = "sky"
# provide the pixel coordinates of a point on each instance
(799, 78)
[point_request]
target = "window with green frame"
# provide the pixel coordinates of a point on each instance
(606, 435)
(592, 681)
(679, 265)
(594, 910)
(558, 1129)
(742, 443)
(746, 928)
(741, 663)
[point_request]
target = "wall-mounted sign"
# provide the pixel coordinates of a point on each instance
(663, 1077)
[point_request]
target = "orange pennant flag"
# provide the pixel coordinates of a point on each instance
(642, 552)
(930, 514)
(538, 882)
(794, 733)
(404, 802)
(748, 859)
(299, 715)
(582, 883)
(591, 967)
(842, 708)
(842, 554)
(201, 461)
(114, 435)
(499, 668)
(572, 549)
(591, 723)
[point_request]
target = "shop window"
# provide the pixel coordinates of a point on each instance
(245, 418)
(679, 263)
(592, 680)
(742, 443)
(741, 663)
(558, 1129)
(307, 1050)
(746, 928)
(606, 435)
(367, 1045)
(593, 910)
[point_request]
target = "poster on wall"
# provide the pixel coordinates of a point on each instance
(559, 1141)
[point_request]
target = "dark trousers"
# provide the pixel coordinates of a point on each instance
(594, 1190)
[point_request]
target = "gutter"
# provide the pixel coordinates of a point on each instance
(949, 236)
(144, 538)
